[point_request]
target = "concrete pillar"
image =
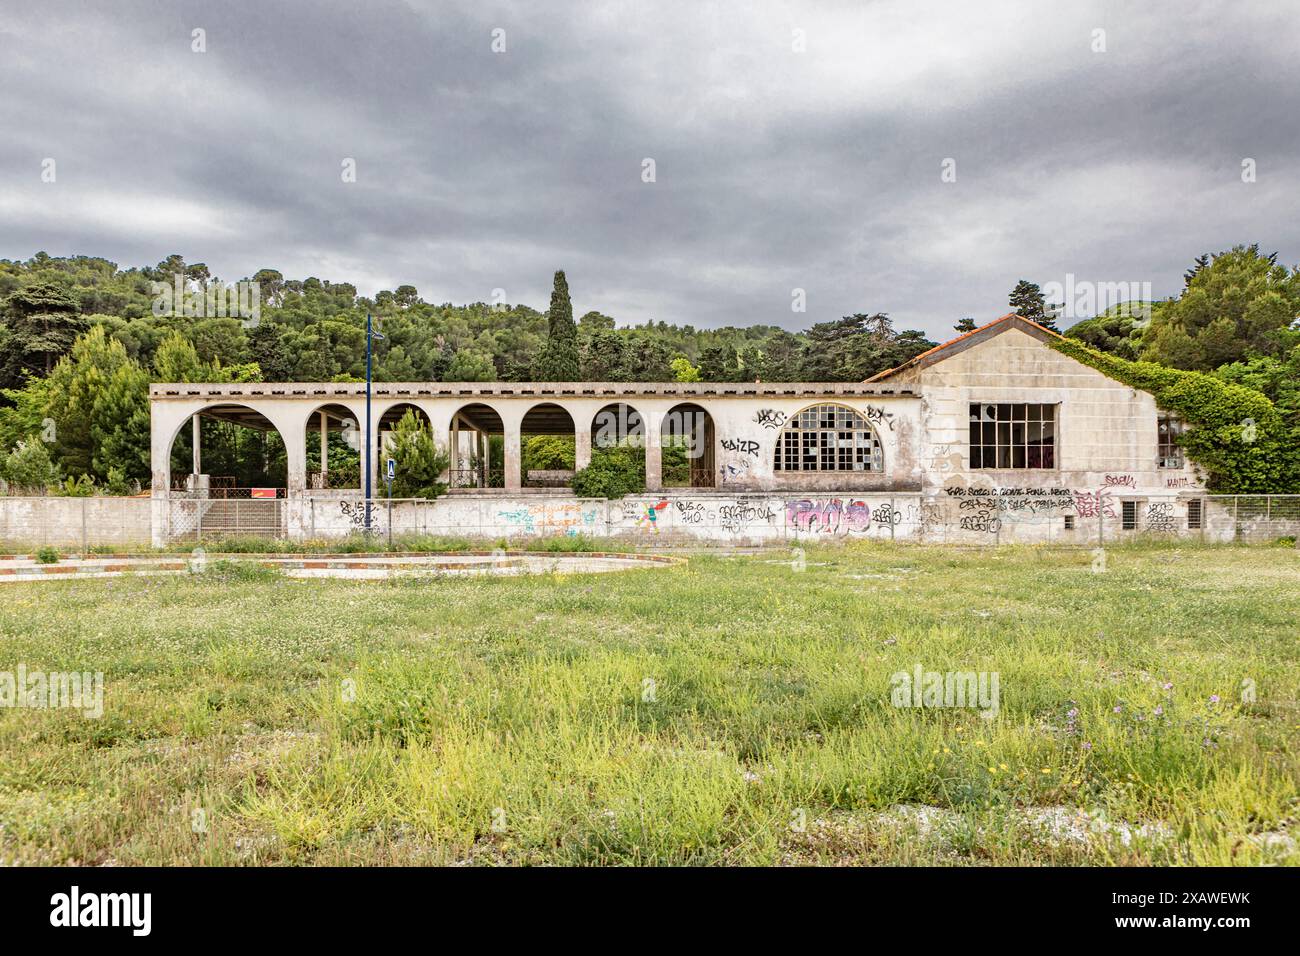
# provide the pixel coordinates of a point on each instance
(581, 448)
(652, 423)
(197, 441)
(295, 449)
(324, 449)
(482, 446)
(445, 437)
(514, 456)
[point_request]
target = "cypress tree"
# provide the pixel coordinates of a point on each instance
(559, 360)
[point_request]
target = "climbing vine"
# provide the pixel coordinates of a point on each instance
(1242, 443)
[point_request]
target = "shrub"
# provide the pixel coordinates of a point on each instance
(82, 486)
(117, 483)
(613, 473)
(29, 467)
(548, 453)
(47, 555)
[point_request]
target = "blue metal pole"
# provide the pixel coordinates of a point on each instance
(368, 462)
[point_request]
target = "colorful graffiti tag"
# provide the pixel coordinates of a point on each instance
(534, 519)
(827, 516)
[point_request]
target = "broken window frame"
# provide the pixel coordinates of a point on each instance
(1013, 436)
(828, 437)
(1169, 454)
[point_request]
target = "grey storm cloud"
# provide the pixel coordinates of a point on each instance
(796, 144)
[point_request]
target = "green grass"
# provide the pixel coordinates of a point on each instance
(730, 711)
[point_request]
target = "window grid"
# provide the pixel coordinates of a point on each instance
(1169, 454)
(1012, 435)
(1194, 514)
(828, 438)
(1129, 515)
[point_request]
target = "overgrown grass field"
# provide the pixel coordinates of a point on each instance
(734, 710)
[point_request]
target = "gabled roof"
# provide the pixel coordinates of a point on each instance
(966, 340)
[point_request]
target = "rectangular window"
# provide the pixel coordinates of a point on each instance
(1069, 522)
(1168, 452)
(1195, 514)
(1129, 517)
(1012, 435)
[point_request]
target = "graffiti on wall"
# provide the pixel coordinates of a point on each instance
(1094, 504)
(737, 517)
(570, 518)
(878, 416)
(733, 471)
(946, 459)
(827, 515)
(1120, 481)
(644, 514)
(354, 514)
(987, 510)
(740, 446)
(1160, 517)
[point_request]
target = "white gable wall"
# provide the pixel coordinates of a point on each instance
(1106, 431)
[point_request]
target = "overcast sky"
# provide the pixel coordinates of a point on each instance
(776, 168)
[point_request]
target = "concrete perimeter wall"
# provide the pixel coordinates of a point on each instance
(958, 516)
(76, 522)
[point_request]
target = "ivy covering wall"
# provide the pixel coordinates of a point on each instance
(1237, 438)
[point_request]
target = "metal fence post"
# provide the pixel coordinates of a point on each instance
(85, 547)
(892, 516)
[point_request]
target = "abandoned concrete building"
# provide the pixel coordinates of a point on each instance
(994, 435)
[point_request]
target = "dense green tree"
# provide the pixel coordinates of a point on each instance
(851, 350)
(1236, 305)
(41, 321)
(97, 399)
(1116, 333)
(684, 371)
(720, 363)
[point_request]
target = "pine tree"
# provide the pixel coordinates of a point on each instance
(1027, 302)
(418, 463)
(965, 325)
(42, 322)
(559, 361)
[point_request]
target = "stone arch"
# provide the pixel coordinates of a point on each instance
(476, 460)
(547, 463)
(272, 467)
(688, 432)
(334, 447)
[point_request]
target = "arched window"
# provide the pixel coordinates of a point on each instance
(828, 438)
